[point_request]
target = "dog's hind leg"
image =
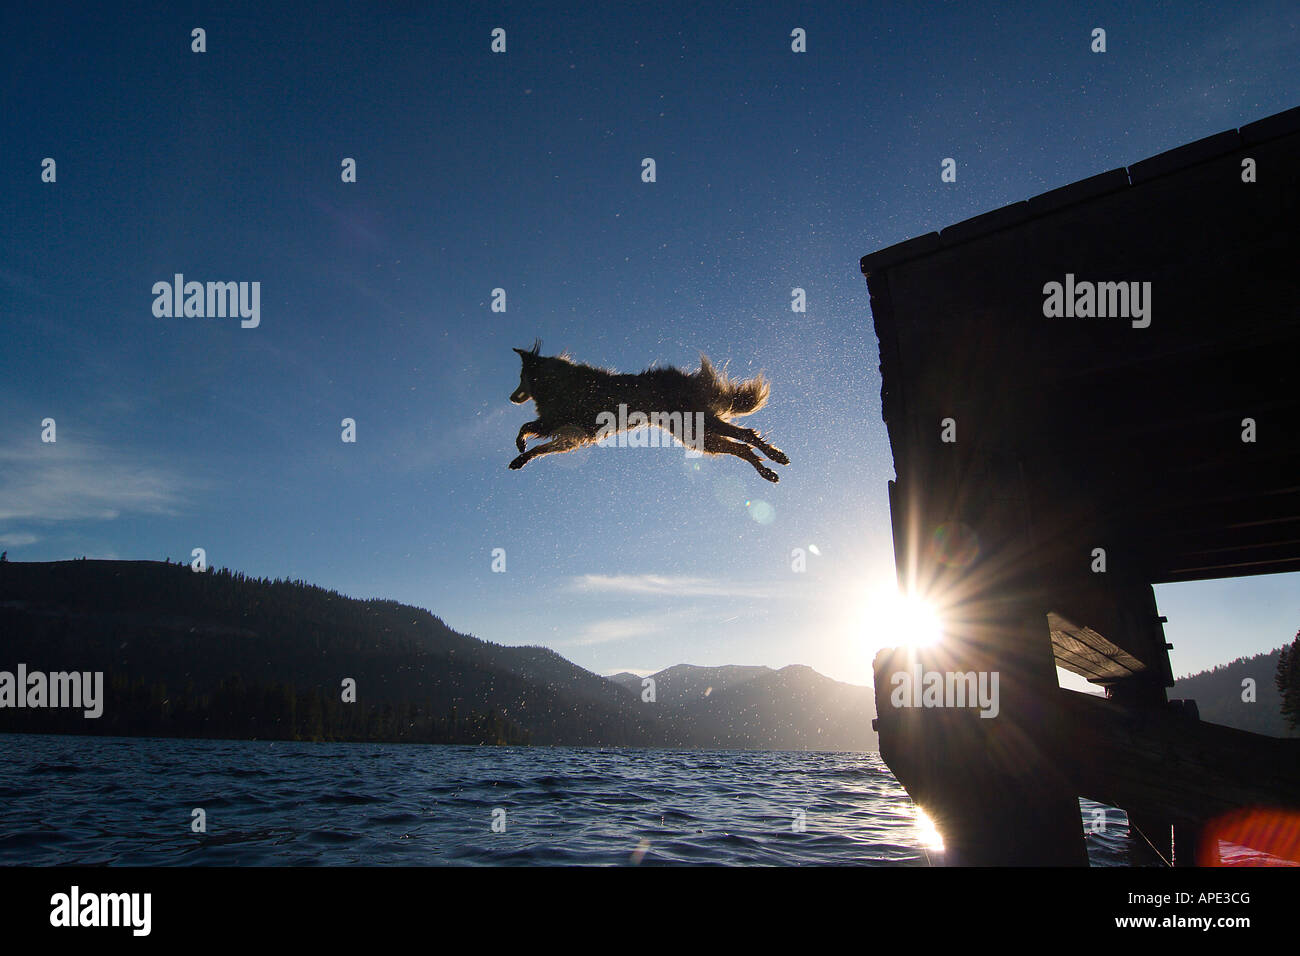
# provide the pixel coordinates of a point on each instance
(749, 436)
(715, 444)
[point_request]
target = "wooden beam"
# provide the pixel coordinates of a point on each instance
(1158, 763)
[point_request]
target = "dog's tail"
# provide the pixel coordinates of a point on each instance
(727, 397)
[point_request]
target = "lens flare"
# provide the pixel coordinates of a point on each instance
(955, 545)
(761, 511)
(1252, 837)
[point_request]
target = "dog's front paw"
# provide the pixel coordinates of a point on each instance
(521, 444)
(518, 463)
(778, 456)
(769, 474)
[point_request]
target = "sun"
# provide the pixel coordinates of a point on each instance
(875, 615)
(902, 620)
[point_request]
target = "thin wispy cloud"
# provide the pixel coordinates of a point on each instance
(609, 630)
(17, 540)
(660, 585)
(643, 628)
(78, 481)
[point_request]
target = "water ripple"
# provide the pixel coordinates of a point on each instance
(114, 801)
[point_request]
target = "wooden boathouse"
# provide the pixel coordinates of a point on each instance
(1089, 393)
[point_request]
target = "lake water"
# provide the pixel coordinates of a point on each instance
(112, 800)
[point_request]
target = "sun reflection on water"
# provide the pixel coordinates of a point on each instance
(926, 833)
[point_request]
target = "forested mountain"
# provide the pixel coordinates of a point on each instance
(222, 655)
(1218, 695)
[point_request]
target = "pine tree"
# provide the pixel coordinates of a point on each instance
(1287, 680)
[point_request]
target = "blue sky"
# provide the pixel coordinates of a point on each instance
(522, 171)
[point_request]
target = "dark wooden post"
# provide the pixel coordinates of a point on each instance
(998, 787)
(993, 786)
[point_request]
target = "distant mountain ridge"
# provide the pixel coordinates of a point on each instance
(1218, 695)
(221, 654)
(755, 707)
(684, 682)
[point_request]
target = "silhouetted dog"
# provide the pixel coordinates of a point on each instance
(579, 405)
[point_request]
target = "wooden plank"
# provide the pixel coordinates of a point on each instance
(1083, 651)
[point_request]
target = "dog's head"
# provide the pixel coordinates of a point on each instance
(529, 359)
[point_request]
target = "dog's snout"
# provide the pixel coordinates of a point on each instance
(519, 397)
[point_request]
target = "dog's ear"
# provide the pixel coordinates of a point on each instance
(522, 353)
